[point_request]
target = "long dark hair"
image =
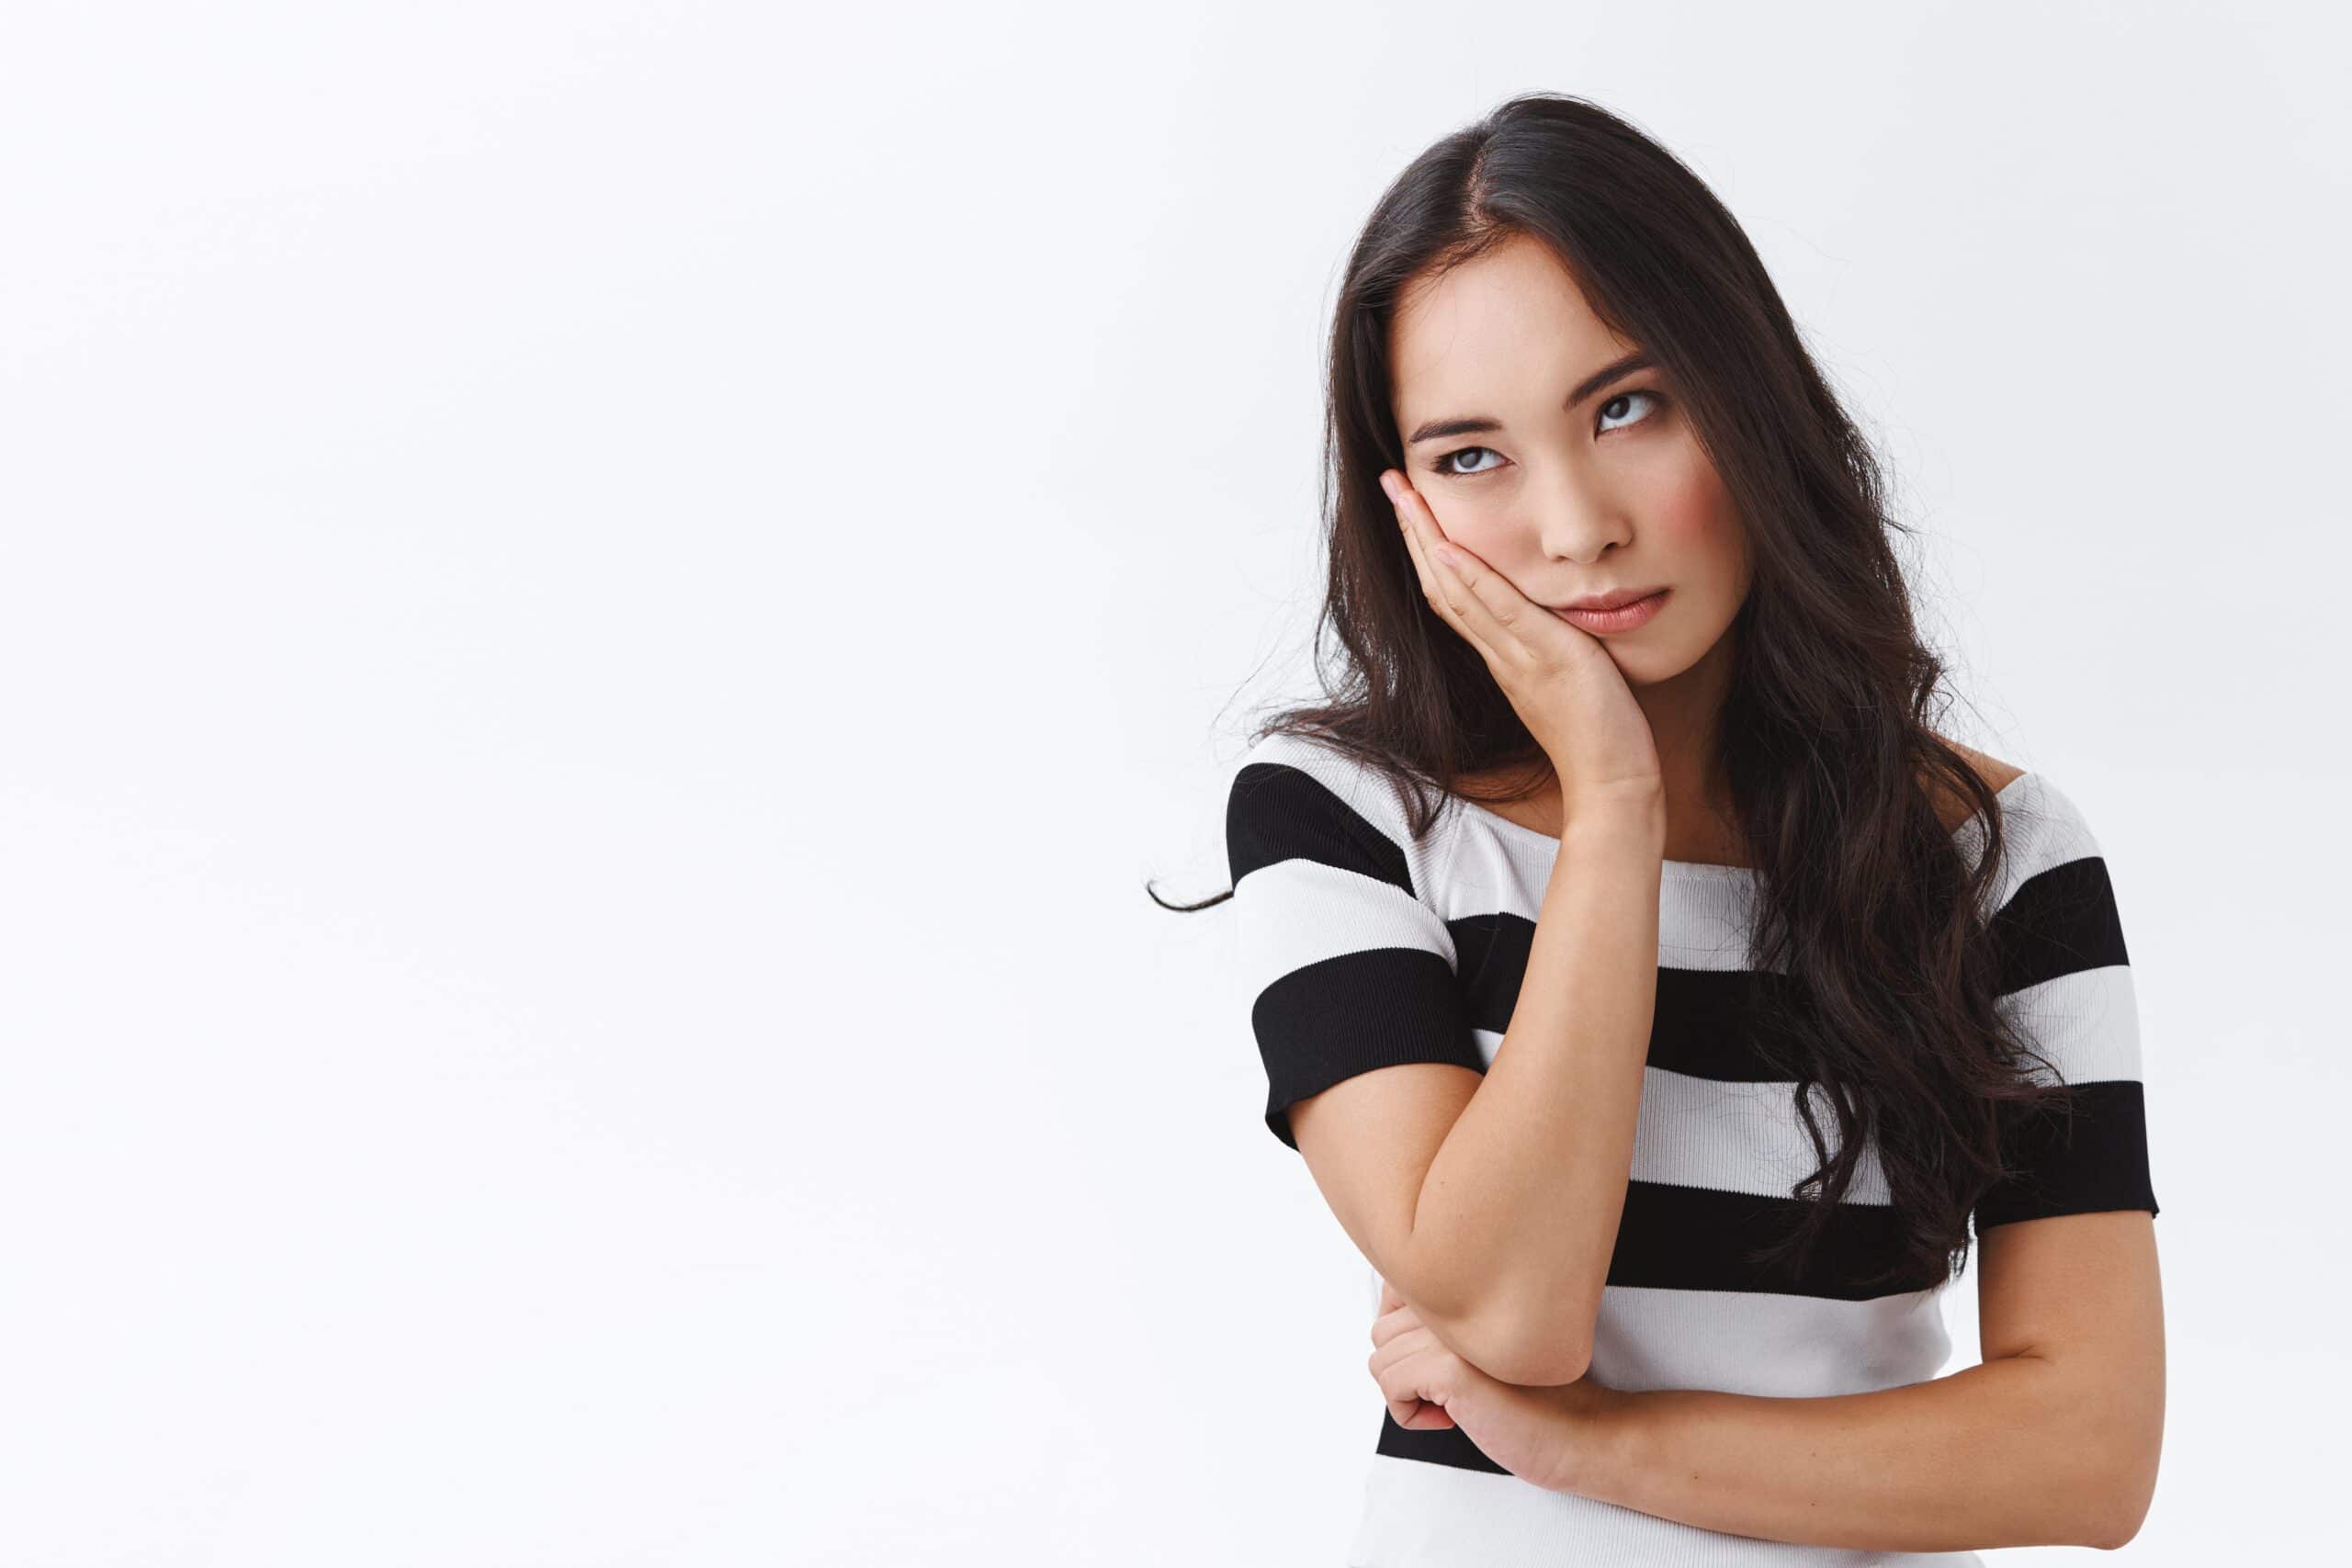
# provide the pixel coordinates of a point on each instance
(1865, 900)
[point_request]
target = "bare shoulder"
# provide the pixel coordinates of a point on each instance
(1998, 776)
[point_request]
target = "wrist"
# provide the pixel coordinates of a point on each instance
(1600, 1433)
(1618, 816)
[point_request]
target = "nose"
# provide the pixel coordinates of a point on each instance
(1578, 520)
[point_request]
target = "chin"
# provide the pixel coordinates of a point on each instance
(1650, 666)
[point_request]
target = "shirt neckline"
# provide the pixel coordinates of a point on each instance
(1709, 870)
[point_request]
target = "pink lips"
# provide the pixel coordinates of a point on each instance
(1622, 619)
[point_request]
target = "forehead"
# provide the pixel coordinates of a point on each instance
(1511, 323)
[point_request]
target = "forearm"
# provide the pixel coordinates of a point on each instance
(1518, 1215)
(1996, 1455)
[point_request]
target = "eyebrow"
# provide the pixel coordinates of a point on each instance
(1481, 424)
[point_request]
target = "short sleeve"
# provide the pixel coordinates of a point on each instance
(1344, 965)
(2065, 985)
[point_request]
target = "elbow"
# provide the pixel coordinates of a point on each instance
(2129, 1485)
(2117, 1532)
(1532, 1334)
(2128, 1510)
(1551, 1370)
(1532, 1352)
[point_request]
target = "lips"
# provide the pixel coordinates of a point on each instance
(1615, 599)
(1629, 615)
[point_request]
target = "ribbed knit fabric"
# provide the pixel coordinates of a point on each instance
(1361, 947)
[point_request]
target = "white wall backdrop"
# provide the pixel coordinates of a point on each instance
(608, 606)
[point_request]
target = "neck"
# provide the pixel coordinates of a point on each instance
(1684, 714)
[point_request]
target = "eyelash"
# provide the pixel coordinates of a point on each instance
(1438, 464)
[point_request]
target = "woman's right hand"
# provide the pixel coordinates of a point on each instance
(1561, 682)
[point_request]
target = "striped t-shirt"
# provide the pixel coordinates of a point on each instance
(1361, 947)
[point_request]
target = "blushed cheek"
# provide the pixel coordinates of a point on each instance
(1703, 529)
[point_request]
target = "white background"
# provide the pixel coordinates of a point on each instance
(608, 606)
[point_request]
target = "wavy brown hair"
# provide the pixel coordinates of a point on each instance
(1866, 902)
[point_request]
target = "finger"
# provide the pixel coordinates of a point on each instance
(1404, 1405)
(1486, 607)
(1438, 581)
(1401, 1333)
(1419, 1415)
(1415, 1384)
(1422, 546)
(1402, 1318)
(1399, 1389)
(1414, 551)
(1389, 1300)
(1492, 603)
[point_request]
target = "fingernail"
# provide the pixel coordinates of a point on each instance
(1388, 487)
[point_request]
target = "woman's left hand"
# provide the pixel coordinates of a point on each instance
(1545, 1435)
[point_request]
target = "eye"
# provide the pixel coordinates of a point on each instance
(1443, 464)
(1637, 392)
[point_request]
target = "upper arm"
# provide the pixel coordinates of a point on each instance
(2066, 1239)
(2065, 989)
(2076, 1285)
(1361, 1024)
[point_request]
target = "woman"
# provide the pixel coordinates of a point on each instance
(1655, 998)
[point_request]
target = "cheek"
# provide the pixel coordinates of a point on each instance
(1486, 532)
(1695, 518)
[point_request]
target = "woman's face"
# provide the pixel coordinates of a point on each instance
(1566, 499)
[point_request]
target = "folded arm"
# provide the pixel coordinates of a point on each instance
(1491, 1201)
(2054, 1440)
